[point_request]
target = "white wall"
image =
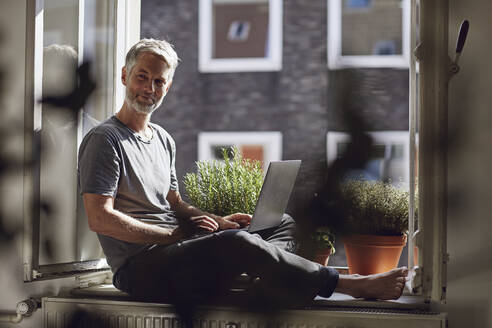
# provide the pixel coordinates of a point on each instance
(470, 171)
(12, 63)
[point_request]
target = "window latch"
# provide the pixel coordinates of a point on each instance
(460, 43)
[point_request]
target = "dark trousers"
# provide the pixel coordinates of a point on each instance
(203, 269)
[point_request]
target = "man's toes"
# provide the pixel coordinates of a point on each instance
(397, 293)
(397, 272)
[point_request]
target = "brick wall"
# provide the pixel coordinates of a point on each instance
(302, 100)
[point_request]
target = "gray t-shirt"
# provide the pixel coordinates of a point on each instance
(115, 161)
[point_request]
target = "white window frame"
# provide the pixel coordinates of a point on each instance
(270, 140)
(386, 138)
(273, 62)
(430, 58)
(429, 278)
(127, 32)
(337, 61)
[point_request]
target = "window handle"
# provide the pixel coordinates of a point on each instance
(460, 43)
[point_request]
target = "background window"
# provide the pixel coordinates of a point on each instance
(261, 146)
(240, 35)
(371, 33)
(240, 30)
(362, 31)
(389, 155)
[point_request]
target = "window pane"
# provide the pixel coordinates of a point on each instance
(240, 29)
(371, 27)
(99, 41)
(387, 161)
(58, 134)
(63, 225)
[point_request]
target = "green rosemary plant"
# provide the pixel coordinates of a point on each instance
(375, 207)
(225, 187)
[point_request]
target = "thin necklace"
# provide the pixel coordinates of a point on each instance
(145, 135)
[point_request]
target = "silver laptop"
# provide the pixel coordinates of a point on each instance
(274, 196)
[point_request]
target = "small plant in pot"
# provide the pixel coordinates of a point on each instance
(376, 215)
(324, 242)
(225, 187)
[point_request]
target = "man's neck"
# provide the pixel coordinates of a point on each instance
(136, 121)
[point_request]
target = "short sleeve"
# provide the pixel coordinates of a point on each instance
(98, 165)
(174, 180)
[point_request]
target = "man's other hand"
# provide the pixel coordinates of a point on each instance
(204, 223)
(233, 221)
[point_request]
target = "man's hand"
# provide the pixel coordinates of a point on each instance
(233, 221)
(204, 223)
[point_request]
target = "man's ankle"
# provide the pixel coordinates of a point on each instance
(350, 284)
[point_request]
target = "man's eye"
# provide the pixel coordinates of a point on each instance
(141, 76)
(159, 83)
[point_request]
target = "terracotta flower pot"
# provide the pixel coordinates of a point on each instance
(322, 256)
(369, 254)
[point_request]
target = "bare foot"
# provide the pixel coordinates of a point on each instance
(384, 286)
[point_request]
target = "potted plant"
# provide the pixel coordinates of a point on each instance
(234, 185)
(324, 242)
(225, 187)
(376, 215)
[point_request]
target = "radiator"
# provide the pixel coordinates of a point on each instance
(61, 312)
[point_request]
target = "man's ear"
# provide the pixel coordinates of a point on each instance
(169, 85)
(123, 75)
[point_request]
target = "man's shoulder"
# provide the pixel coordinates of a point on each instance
(108, 128)
(108, 132)
(108, 125)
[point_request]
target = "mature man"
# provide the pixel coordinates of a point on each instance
(128, 180)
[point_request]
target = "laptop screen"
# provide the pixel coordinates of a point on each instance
(275, 193)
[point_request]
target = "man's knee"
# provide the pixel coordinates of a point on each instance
(236, 236)
(287, 224)
(237, 239)
(288, 220)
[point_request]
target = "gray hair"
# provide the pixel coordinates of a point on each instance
(59, 69)
(61, 51)
(160, 48)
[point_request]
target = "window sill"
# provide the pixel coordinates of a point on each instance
(100, 291)
(337, 301)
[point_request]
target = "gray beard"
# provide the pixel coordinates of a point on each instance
(141, 108)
